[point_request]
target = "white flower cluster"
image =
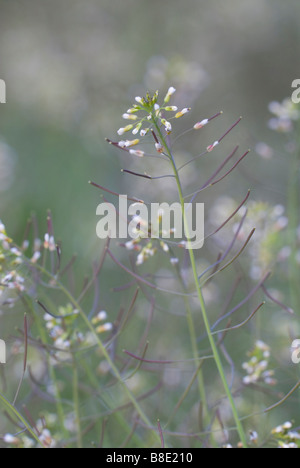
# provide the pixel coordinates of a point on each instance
(64, 333)
(267, 249)
(287, 437)
(25, 442)
(286, 113)
(144, 232)
(258, 364)
(10, 258)
(57, 332)
(142, 124)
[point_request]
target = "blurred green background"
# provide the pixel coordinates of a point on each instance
(73, 67)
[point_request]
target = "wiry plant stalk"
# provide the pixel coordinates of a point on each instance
(293, 203)
(213, 345)
(102, 348)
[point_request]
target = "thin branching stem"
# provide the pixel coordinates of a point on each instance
(213, 345)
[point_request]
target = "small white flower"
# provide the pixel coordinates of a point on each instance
(278, 430)
(138, 153)
(104, 328)
(62, 344)
(174, 261)
(10, 439)
(139, 99)
(15, 251)
(46, 438)
(170, 93)
(129, 245)
(136, 129)
(48, 317)
(249, 379)
(140, 259)
(46, 240)
(294, 435)
(144, 132)
(36, 257)
(52, 245)
(262, 365)
(253, 436)
(261, 345)
(159, 147)
(102, 315)
(168, 127)
(165, 247)
(25, 245)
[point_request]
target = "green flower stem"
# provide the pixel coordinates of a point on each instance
(109, 360)
(193, 338)
(120, 420)
(13, 410)
(104, 351)
(76, 403)
(213, 345)
(58, 400)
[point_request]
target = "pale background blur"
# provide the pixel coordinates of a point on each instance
(73, 67)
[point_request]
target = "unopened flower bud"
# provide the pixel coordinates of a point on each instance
(105, 327)
(170, 92)
(159, 147)
(171, 108)
(201, 124)
(136, 129)
(211, 147)
(122, 130)
(182, 112)
(132, 110)
(138, 153)
(102, 315)
(129, 116)
(36, 257)
(130, 143)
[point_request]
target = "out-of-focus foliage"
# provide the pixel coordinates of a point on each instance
(71, 68)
